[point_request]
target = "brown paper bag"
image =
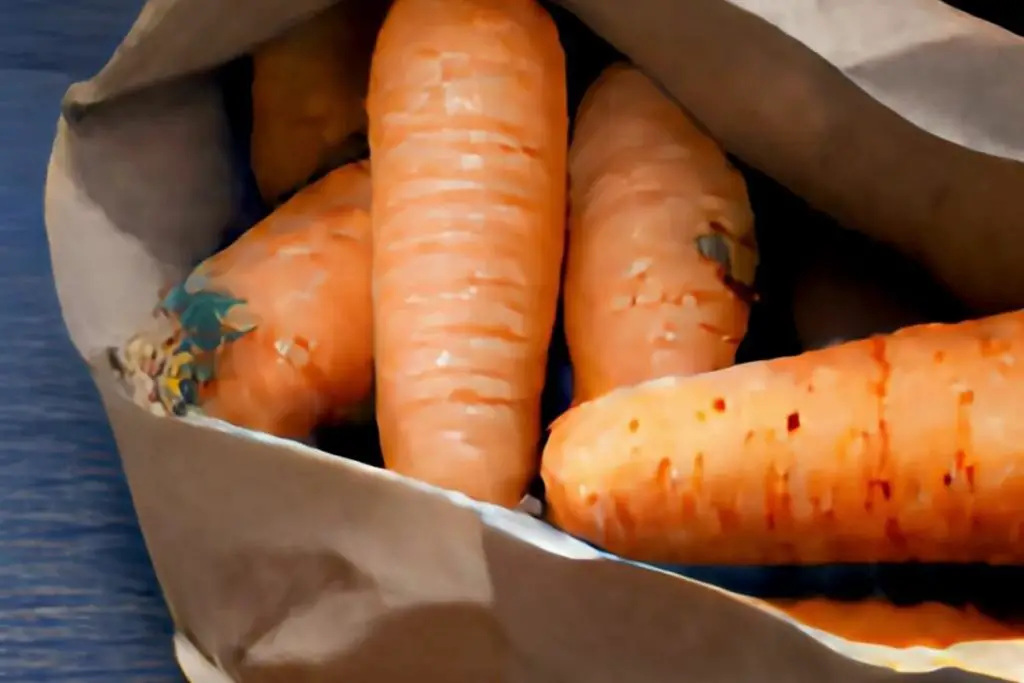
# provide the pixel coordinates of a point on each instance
(281, 563)
(838, 127)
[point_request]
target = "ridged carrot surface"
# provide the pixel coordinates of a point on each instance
(881, 623)
(901, 447)
(468, 136)
(308, 88)
(661, 250)
(277, 327)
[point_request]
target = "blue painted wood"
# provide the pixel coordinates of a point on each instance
(78, 600)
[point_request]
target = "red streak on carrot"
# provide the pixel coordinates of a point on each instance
(468, 133)
(660, 228)
(896, 448)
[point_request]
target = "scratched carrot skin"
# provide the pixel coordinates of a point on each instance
(292, 299)
(468, 136)
(896, 448)
(661, 253)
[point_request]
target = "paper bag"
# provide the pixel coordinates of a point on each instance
(838, 128)
(847, 287)
(282, 563)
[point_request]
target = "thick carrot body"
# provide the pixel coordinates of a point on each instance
(308, 88)
(661, 244)
(878, 622)
(468, 136)
(900, 447)
(302, 280)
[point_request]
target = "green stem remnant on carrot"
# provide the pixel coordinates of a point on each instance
(274, 332)
(895, 448)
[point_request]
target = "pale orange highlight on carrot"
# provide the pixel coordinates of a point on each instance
(304, 273)
(468, 136)
(878, 622)
(901, 447)
(661, 252)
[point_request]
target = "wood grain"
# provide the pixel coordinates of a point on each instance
(78, 600)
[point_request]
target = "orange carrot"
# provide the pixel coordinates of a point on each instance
(308, 88)
(895, 448)
(294, 291)
(661, 243)
(468, 135)
(878, 622)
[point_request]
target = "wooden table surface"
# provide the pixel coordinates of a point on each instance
(78, 600)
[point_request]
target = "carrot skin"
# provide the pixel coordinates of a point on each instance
(895, 448)
(661, 232)
(302, 277)
(468, 133)
(308, 88)
(929, 624)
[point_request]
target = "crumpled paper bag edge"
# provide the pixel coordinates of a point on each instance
(968, 656)
(194, 665)
(114, 80)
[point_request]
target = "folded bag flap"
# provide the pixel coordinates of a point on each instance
(172, 38)
(284, 564)
(135, 195)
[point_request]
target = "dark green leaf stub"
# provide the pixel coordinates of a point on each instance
(207, 320)
(714, 247)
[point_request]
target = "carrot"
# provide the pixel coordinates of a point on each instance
(308, 87)
(661, 245)
(895, 448)
(879, 622)
(276, 329)
(468, 133)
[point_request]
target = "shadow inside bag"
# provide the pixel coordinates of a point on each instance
(817, 284)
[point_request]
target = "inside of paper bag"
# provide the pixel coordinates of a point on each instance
(819, 284)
